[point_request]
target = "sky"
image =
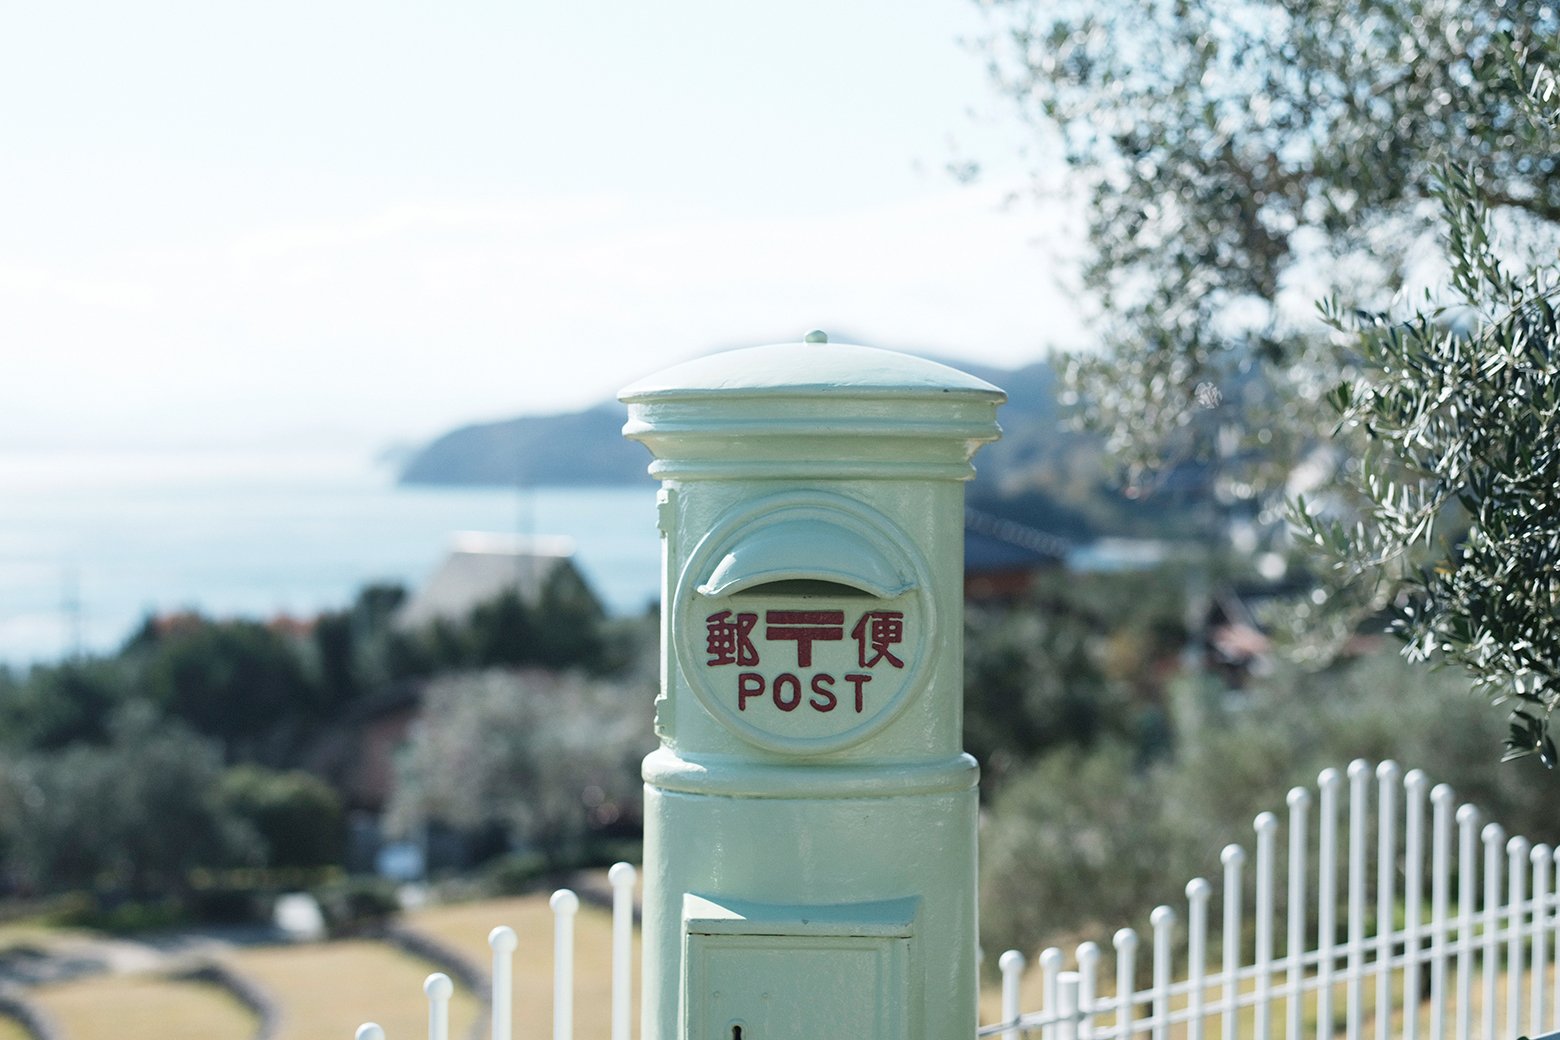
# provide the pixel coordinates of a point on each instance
(361, 224)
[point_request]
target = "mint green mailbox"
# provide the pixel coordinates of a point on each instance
(810, 815)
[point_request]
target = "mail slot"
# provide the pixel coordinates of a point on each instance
(810, 813)
(803, 621)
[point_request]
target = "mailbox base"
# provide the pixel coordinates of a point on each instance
(872, 893)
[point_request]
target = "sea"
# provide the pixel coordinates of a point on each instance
(93, 542)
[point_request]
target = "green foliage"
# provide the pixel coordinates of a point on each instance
(549, 757)
(1458, 487)
(59, 704)
(565, 628)
(241, 682)
(516, 873)
(120, 916)
(1073, 664)
(1071, 843)
(568, 620)
(357, 906)
(1088, 840)
(1239, 156)
(136, 814)
(297, 816)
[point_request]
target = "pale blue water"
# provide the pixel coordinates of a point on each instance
(90, 543)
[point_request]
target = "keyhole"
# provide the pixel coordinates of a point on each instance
(736, 1033)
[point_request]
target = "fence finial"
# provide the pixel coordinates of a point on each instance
(1011, 965)
(438, 989)
(503, 942)
(622, 877)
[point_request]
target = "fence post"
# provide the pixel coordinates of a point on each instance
(1414, 785)
(564, 905)
(1126, 942)
(438, 989)
(1050, 968)
(1441, 798)
(502, 940)
(1232, 857)
(1328, 782)
(1492, 836)
(1467, 865)
(1267, 835)
(1198, 892)
(1162, 920)
(1540, 859)
(1011, 964)
(1555, 944)
(1359, 777)
(622, 877)
(1088, 955)
(1516, 896)
(1299, 800)
(1067, 1005)
(1387, 779)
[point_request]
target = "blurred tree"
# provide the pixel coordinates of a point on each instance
(549, 757)
(55, 705)
(297, 816)
(134, 814)
(501, 632)
(241, 682)
(1086, 840)
(1076, 662)
(1237, 158)
(1240, 158)
(568, 623)
(1073, 844)
(565, 627)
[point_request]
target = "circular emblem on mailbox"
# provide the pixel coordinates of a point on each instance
(803, 622)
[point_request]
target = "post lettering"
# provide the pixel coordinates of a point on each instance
(749, 684)
(876, 633)
(858, 680)
(823, 686)
(729, 640)
(790, 703)
(804, 627)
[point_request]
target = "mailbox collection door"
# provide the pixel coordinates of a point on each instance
(768, 987)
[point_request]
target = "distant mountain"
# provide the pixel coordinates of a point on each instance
(534, 450)
(587, 447)
(1040, 473)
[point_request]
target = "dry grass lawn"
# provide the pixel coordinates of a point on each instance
(327, 990)
(466, 926)
(143, 1007)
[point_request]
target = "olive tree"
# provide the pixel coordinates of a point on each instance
(1459, 404)
(1238, 159)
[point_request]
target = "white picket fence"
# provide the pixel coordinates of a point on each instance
(1472, 968)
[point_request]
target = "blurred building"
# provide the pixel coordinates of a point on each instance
(481, 567)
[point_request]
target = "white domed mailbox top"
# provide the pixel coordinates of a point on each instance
(814, 409)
